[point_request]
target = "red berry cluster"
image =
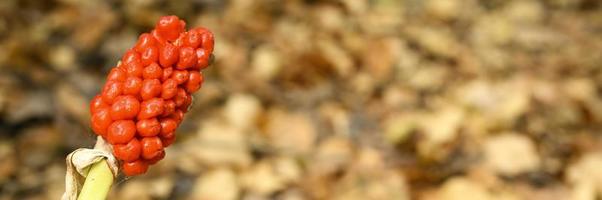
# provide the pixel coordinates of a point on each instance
(148, 92)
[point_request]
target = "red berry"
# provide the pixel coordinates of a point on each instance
(167, 141)
(160, 40)
(117, 74)
(101, 120)
(202, 58)
(152, 71)
(128, 152)
(156, 158)
(180, 76)
(168, 125)
(97, 103)
(181, 97)
(111, 91)
(151, 147)
(121, 131)
(170, 87)
(130, 56)
(187, 58)
(178, 115)
(180, 41)
(132, 86)
(168, 134)
(207, 39)
(151, 88)
(167, 73)
(194, 81)
(134, 168)
(186, 104)
(182, 25)
(125, 107)
(149, 55)
(169, 107)
(151, 108)
(169, 27)
(193, 38)
(144, 41)
(168, 55)
(134, 68)
(148, 127)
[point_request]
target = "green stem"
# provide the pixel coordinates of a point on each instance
(98, 182)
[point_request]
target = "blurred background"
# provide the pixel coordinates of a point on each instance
(333, 99)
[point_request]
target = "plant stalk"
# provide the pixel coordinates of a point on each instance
(98, 182)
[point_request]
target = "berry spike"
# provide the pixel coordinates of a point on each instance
(147, 93)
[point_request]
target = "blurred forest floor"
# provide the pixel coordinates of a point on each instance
(334, 99)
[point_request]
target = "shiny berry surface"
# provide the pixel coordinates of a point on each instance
(111, 91)
(134, 168)
(151, 108)
(97, 103)
(151, 147)
(180, 76)
(148, 127)
(132, 86)
(125, 107)
(121, 131)
(128, 152)
(146, 96)
(100, 121)
(169, 89)
(150, 88)
(152, 71)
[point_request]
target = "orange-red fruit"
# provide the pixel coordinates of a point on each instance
(169, 27)
(169, 89)
(207, 39)
(151, 108)
(168, 134)
(130, 56)
(146, 96)
(156, 158)
(134, 168)
(169, 107)
(148, 127)
(144, 41)
(167, 141)
(150, 88)
(167, 71)
(194, 81)
(186, 104)
(168, 55)
(125, 107)
(181, 97)
(202, 58)
(134, 68)
(178, 115)
(187, 58)
(149, 55)
(117, 74)
(121, 131)
(168, 125)
(180, 76)
(97, 103)
(151, 147)
(101, 120)
(111, 91)
(128, 152)
(132, 86)
(160, 40)
(193, 38)
(152, 71)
